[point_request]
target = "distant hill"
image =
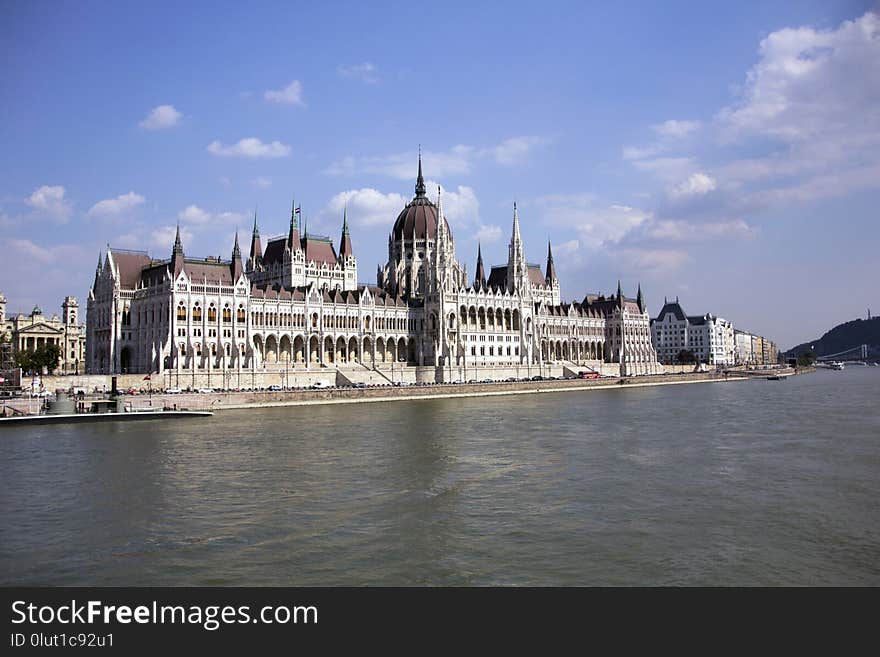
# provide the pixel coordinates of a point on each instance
(845, 336)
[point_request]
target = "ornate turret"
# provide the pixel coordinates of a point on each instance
(480, 276)
(237, 266)
(551, 269)
(256, 247)
(517, 274)
(345, 248)
(293, 241)
(177, 254)
(640, 299)
(420, 181)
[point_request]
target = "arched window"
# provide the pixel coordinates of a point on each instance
(197, 312)
(227, 314)
(212, 313)
(240, 314)
(181, 312)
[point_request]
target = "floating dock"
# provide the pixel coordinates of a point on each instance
(100, 417)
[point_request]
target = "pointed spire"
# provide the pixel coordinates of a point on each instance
(619, 294)
(177, 253)
(345, 248)
(515, 222)
(293, 242)
(256, 253)
(237, 267)
(420, 181)
(480, 275)
(178, 245)
(440, 221)
(100, 260)
(640, 299)
(551, 268)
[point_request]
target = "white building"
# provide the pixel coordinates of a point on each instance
(297, 304)
(708, 337)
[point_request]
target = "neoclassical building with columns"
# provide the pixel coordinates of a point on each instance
(296, 306)
(34, 330)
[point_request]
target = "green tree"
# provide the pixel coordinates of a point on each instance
(686, 357)
(806, 358)
(49, 355)
(45, 357)
(24, 360)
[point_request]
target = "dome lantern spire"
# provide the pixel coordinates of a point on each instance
(420, 181)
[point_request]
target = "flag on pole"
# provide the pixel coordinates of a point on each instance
(298, 208)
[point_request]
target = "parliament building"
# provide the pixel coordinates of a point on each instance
(294, 309)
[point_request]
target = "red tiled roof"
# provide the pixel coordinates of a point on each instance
(320, 251)
(130, 266)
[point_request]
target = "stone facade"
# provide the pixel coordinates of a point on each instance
(296, 306)
(709, 337)
(29, 332)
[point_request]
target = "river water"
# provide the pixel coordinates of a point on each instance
(739, 483)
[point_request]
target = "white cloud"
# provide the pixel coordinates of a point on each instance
(674, 129)
(261, 183)
(42, 254)
(640, 152)
(365, 72)
(404, 166)
(516, 149)
(696, 185)
(193, 214)
(196, 216)
(488, 234)
(162, 238)
(460, 206)
(806, 116)
(667, 169)
(596, 225)
(367, 207)
(654, 261)
(689, 231)
(249, 147)
(458, 160)
(230, 217)
(113, 207)
(808, 82)
(289, 95)
(163, 116)
(569, 248)
(49, 200)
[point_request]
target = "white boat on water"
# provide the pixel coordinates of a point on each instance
(837, 365)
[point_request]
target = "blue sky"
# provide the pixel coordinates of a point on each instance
(726, 154)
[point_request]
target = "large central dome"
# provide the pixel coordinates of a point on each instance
(419, 217)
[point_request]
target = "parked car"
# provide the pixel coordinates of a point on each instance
(488, 381)
(402, 384)
(132, 391)
(321, 385)
(172, 391)
(207, 391)
(358, 384)
(537, 378)
(274, 387)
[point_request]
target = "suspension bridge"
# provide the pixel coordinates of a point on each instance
(854, 355)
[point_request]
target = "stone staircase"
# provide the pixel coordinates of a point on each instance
(346, 376)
